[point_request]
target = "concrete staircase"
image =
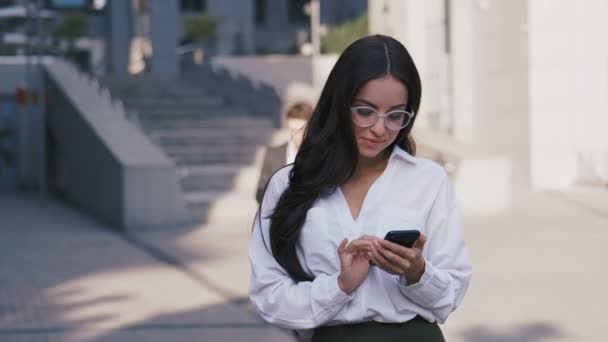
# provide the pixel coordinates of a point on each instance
(216, 147)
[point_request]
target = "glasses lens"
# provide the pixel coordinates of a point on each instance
(364, 116)
(367, 117)
(396, 120)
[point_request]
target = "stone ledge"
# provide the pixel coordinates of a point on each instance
(482, 180)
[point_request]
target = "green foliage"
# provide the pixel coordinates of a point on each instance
(72, 26)
(340, 36)
(200, 28)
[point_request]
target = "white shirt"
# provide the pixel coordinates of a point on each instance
(411, 193)
(292, 150)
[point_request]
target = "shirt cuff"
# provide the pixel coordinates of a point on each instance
(336, 295)
(426, 291)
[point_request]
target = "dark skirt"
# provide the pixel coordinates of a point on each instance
(417, 329)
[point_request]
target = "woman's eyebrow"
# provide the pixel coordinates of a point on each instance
(368, 103)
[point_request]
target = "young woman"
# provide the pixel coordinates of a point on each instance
(318, 257)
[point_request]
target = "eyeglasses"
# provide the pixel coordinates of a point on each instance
(395, 120)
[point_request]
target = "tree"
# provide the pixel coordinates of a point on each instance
(340, 36)
(72, 27)
(200, 28)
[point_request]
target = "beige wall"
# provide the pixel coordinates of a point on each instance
(569, 91)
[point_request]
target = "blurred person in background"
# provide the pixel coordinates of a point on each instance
(319, 263)
(278, 155)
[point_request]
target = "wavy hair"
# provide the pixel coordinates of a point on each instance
(328, 154)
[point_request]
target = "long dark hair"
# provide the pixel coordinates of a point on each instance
(328, 154)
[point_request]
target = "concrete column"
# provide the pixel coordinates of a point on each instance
(165, 24)
(236, 25)
(462, 68)
(119, 32)
(277, 13)
(568, 92)
(435, 86)
(489, 59)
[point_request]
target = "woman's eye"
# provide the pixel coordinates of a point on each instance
(365, 111)
(396, 117)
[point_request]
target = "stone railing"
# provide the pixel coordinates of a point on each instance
(100, 161)
(482, 181)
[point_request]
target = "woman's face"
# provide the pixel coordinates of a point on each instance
(383, 94)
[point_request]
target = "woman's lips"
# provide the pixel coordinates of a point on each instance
(372, 142)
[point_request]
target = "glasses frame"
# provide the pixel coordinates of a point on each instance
(408, 115)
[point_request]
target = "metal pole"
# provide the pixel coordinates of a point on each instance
(315, 25)
(25, 139)
(40, 103)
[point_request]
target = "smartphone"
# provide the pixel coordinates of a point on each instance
(405, 238)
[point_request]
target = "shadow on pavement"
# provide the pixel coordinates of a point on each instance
(65, 277)
(531, 332)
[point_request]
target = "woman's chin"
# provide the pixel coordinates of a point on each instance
(369, 153)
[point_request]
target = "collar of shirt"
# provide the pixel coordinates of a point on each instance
(398, 152)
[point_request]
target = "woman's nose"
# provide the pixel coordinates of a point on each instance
(379, 128)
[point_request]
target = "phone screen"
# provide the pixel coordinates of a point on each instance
(405, 238)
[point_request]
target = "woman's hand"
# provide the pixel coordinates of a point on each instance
(399, 260)
(354, 261)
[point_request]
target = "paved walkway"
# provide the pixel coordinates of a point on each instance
(65, 277)
(539, 275)
(539, 271)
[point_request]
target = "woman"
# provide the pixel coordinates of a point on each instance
(277, 156)
(318, 257)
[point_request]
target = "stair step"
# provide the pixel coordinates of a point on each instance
(228, 151)
(225, 133)
(214, 123)
(203, 196)
(207, 159)
(219, 178)
(212, 149)
(125, 92)
(199, 212)
(216, 146)
(157, 115)
(165, 125)
(222, 207)
(208, 170)
(141, 87)
(205, 142)
(173, 102)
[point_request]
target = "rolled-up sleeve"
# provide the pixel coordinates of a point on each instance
(278, 298)
(448, 268)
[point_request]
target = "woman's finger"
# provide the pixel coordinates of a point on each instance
(403, 252)
(359, 246)
(384, 263)
(390, 256)
(342, 246)
(368, 237)
(419, 244)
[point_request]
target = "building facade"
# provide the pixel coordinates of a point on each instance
(525, 78)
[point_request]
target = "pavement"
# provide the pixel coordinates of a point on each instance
(539, 275)
(66, 277)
